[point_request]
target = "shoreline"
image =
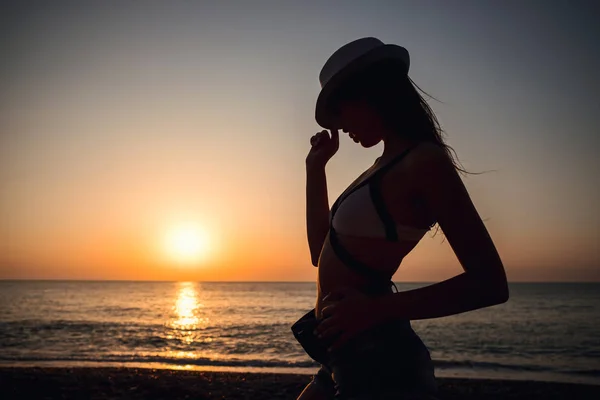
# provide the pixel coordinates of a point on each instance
(440, 372)
(124, 382)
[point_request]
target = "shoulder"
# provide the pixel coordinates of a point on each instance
(426, 171)
(428, 156)
(427, 164)
(436, 180)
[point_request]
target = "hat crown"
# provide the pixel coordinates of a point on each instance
(349, 60)
(345, 55)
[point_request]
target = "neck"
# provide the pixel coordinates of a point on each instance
(393, 145)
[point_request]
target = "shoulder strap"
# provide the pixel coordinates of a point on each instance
(377, 198)
(384, 215)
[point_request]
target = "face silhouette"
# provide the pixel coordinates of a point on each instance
(360, 121)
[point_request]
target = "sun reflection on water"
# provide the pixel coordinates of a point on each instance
(186, 306)
(189, 332)
(187, 321)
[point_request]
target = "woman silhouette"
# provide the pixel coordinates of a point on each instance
(360, 329)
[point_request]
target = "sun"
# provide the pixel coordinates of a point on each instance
(187, 244)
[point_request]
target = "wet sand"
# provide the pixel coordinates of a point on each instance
(141, 383)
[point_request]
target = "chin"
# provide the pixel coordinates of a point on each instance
(367, 145)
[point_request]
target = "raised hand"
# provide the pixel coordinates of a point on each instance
(323, 147)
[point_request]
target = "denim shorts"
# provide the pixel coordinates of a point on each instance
(388, 361)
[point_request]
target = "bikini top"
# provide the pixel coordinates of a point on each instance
(363, 218)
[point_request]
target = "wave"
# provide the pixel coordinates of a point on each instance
(205, 362)
(61, 325)
(85, 325)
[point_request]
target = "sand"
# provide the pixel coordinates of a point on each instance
(131, 383)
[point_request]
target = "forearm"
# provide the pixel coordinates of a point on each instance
(317, 210)
(465, 292)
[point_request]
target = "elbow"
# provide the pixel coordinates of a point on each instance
(496, 292)
(493, 290)
(504, 292)
(501, 296)
(314, 260)
(315, 256)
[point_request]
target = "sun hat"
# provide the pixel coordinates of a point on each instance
(346, 61)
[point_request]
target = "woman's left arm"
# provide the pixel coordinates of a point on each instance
(483, 282)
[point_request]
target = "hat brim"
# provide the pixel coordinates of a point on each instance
(323, 113)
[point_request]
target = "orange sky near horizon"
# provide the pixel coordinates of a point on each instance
(119, 124)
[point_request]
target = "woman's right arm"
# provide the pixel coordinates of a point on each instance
(317, 202)
(317, 210)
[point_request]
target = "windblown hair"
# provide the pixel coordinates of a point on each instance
(387, 88)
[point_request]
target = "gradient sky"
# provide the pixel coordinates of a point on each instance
(120, 120)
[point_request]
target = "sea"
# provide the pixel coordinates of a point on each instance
(545, 332)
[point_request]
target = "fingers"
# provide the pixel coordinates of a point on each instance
(319, 137)
(325, 324)
(337, 294)
(333, 296)
(330, 334)
(328, 311)
(328, 329)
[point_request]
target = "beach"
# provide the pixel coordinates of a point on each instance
(144, 383)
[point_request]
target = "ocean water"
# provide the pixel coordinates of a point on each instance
(545, 332)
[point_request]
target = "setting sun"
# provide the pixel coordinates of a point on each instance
(187, 244)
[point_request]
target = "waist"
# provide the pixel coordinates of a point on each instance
(333, 274)
(395, 337)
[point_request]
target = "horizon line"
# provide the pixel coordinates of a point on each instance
(208, 281)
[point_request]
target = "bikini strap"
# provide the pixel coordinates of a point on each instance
(374, 276)
(377, 197)
(384, 215)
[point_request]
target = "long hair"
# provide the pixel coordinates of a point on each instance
(396, 97)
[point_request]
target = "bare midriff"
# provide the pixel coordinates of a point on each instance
(381, 255)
